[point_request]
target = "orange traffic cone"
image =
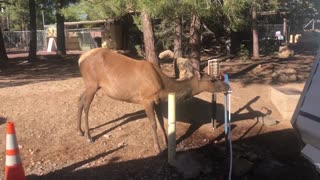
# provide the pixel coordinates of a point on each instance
(14, 169)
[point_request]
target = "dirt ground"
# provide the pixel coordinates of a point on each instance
(41, 99)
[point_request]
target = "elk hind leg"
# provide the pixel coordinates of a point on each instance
(158, 110)
(149, 108)
(79, 115)
(87, 102)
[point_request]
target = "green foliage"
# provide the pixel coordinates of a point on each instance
(137, 21)
(18, 12)
(96, 9)
(243, 53)
(237, 14)
(73, 13)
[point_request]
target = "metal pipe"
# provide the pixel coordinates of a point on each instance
(227, 122)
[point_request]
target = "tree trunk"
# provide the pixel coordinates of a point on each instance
(285, 29)
(194, 41)
(255, 37)
(33, 29)
(148, 37)
(177, 45)
(61, 44)
(177, 42)
(3, 53)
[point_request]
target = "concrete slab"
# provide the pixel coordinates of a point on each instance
(285, 100)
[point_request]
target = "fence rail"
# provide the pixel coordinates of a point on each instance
(76, 39)
(19, 40)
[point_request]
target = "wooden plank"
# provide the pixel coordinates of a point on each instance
(87, 22)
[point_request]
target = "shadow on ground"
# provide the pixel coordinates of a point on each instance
(195, 112)
(261, 71)
(278, 159)
(3, 120)
(48, 68)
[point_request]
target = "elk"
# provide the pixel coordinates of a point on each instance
(134, 81)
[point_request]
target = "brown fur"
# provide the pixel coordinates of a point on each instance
(140, 82)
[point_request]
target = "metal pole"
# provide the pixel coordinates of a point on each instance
(227, 122)
(171, 128)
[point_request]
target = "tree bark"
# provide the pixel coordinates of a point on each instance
(3, 53)
(148, 37)
(61, 44)
(194, 41)
(177, 45)
(285, 29)
(33, 29)
(177, 42)
(255, 37)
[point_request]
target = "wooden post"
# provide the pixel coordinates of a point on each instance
(171, 128)
(214, 70)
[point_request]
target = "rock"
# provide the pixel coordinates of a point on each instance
(251, 156)
(166, 54)
(285, 75)
(267, 166)
(285, 52)
(184, 67)
(190, 165)
(122, 144)
(257, 69)
(108, 136)
(267, 120)
(241, 167)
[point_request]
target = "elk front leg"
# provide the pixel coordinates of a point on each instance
(149, 108)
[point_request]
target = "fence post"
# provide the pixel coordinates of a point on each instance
(171, 128)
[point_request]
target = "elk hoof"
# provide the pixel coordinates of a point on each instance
(157, 149)
(90, 140)
(81, 133)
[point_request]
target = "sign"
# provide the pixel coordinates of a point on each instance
(51, 45)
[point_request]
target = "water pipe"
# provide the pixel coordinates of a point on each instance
(227, 121)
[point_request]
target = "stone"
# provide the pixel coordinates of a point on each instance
(241, 166)
(184, 67)
(285, 100)
(166, 54)
(267, 120)
(122, 144)
(285, 52)
(190, 165)
(108, 136)
(284, 75)
(252, 156)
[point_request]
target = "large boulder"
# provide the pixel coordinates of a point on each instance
(285, 52)
(184, 67)
(182, 64)
(284, 75)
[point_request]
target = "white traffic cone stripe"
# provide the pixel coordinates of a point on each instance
(11, 142)
(12, 160)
